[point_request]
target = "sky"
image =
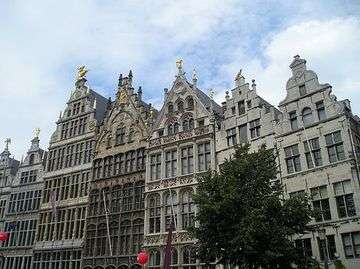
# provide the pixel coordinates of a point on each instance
(42, 42)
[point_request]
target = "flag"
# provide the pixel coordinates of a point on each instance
(53, 203)
(167, 259)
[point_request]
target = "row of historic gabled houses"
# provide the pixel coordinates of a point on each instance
(117, 172)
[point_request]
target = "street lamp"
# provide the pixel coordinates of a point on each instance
(322, 236)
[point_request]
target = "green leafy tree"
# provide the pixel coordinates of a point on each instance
(243, 218)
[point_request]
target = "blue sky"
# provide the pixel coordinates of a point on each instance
(42, 43)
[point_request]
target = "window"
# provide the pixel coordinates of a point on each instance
(303, 247)
(331, 247)
(241, 107)
(307, 116)
(170, 163)
(292, 159)
(315, 155)
(180, 106)
(170, 209)
(233, 110)
(231, 137)
(155, 213)
(189, 257)
(31, 159)
(154, 261)
(90, 240)
(293, 120)
(155, 166)
(170, 107)
(187, 160)
(320, 201)
(255, 128)
(190, 104)
(139, 195)
(101, 240)
(131, 135)
(204, 156)
(335, 147)
(173, 128)
(320, 108)
(351, 243)
(114, 236)
(248, 103)
(187, 210)
(302, 90)
(120, 136)
(344, 199)
(138, 234)
(188, 124)
(127, 197)
(125, 235)
(243, 134)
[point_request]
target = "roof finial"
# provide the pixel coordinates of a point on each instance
(120, 81)
(81, 72)
(179, 65)
(194, 77)
(37, 132)
(239, 79)
(253, 85)
(297, 56)
(7, 142)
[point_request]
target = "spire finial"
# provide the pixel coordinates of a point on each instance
(253, 85)
(211, 93)
(37, 132)
(7, 142)
(120, 81)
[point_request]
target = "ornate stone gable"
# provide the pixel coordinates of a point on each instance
(128, 120)
(181, 103)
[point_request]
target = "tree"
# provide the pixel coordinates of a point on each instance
(244, 219)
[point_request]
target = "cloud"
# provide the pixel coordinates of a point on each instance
(330, 47)
(43, 42)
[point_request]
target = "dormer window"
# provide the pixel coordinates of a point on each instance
(302, 90)
(307, 116)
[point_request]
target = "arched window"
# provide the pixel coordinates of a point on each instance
(170, 208)
(31, 159)
(125, 233)
(101, 240)
(138, 235)
(170, 129)
(190, 103)
(114, 235)
(170, 107)
(307, 116)
(90, 240)
(187, 210)
(154, 213)
(154, 261)
(191, 123)
(189, 257)
(180, 106)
